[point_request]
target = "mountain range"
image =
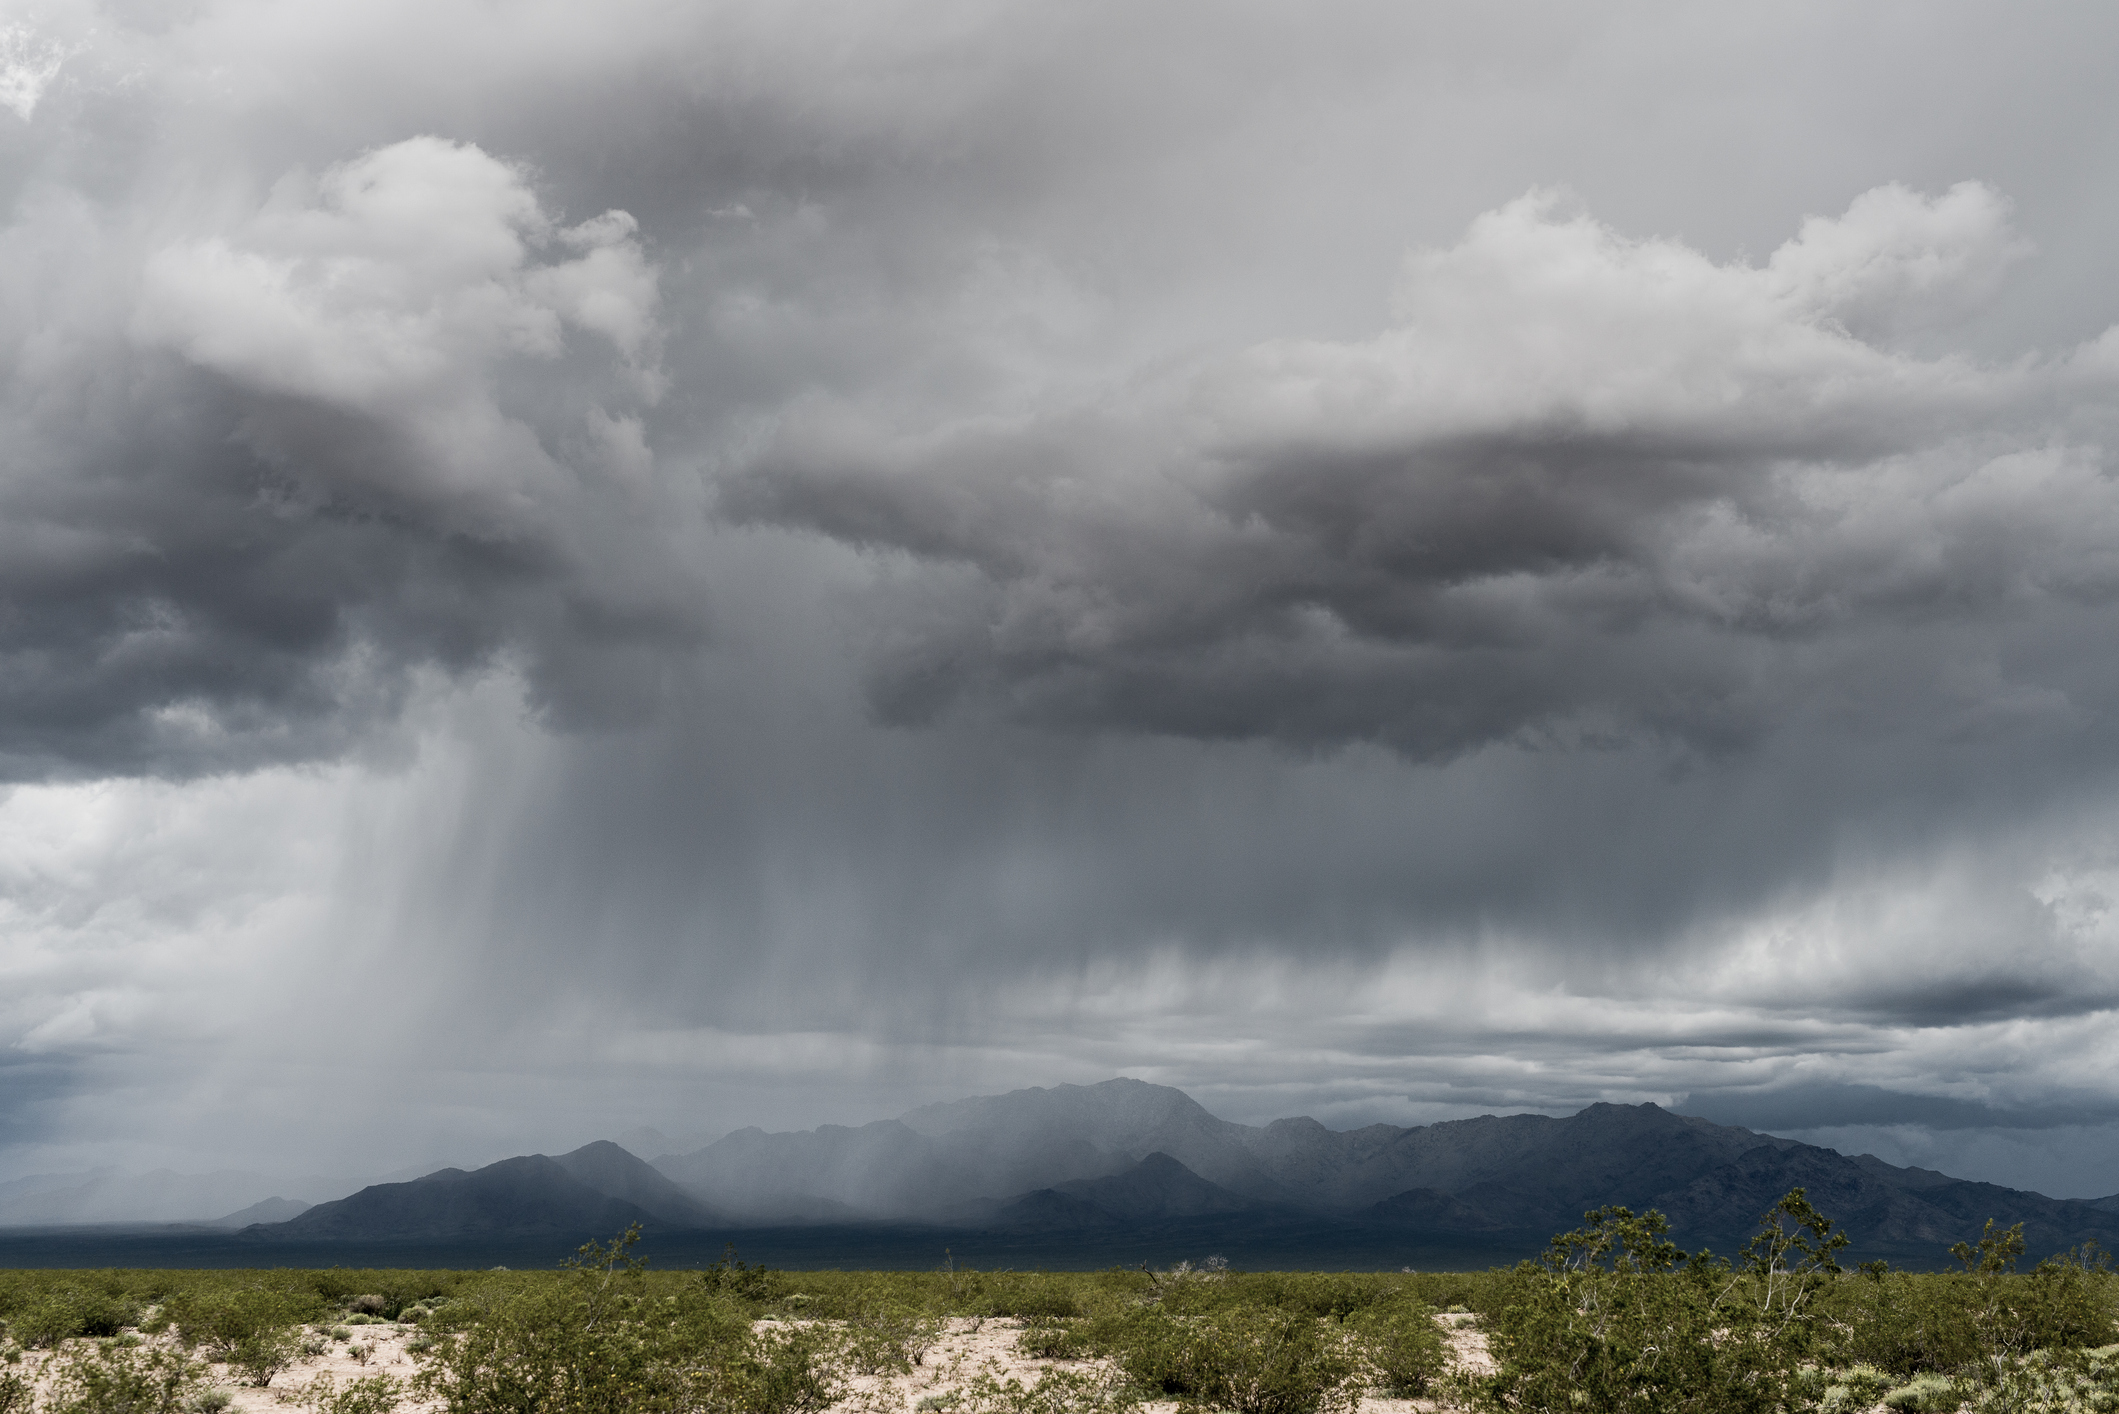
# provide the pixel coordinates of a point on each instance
(1080, 1172)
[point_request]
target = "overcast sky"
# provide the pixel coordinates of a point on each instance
(566, 566)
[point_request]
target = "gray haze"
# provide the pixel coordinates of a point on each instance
(685, 567)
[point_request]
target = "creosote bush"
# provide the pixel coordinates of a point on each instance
(1403, 1350)
(253, 1329)
(1267, 1360)
(603, 1339)
(1059, 1392)
(887, 1338)
(373, 1394)
(1617, 1317)
(60, 1313)
(95, 1379)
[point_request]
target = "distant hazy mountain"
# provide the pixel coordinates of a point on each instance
(935, 1162)
(650, 1143)
(163, 1196)
(1061, 1157)
(271, 1210)
(596, 1190)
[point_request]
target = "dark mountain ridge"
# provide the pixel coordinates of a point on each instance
(1126, 1157)
(1156, 1190)
(1525, 1174)
(598, 1189)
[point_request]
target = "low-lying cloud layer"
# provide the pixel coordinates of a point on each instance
(636, 567)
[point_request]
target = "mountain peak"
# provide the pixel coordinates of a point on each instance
(603, 1151)
(610, 1169)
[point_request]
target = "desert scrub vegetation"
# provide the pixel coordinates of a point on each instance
(1265, 1343)
(1615, 1317)
(99, 1378)
(254, 1329)
(41, 1314)
(1618, 1317)
(603, 1337)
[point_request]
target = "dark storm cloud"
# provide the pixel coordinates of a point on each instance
(306, 446)
(1587, 489)
(1584, 488)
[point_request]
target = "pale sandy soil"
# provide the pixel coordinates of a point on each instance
(385, 1355)
(385, 1347)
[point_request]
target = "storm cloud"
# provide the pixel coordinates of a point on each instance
(772, 563)
(1585, 489)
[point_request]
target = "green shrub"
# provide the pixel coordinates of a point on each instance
(373, 1394)
(2049, 1382)
(1854, 1390)
(1404, 1352)
(145, 1380)
(16, 1393)
(1617, 1318)
(1328, 1295)
(253, 1329)
(61, 1313)
(2065, 1303)
(782, 1370)
(1031, 1299)
(44, 1324)
(1044, 1338)
(1250, 1361)
(731, 1276)
(1059, 1392)
(885, 1338)
(1907, 1324)
(1928, 1394)
(1269, 1362)
(1978, 1323)
(1149, 1344)
(220, 1317)
(595, 1342)
(260, 1355)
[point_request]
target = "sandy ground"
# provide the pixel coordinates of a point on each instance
(372, 1350)
(966, 1348)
